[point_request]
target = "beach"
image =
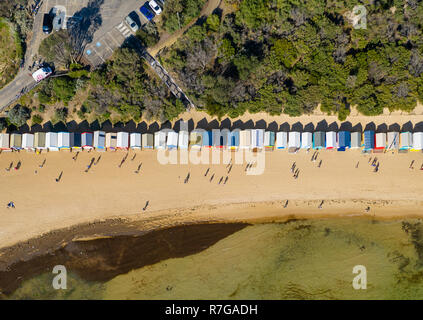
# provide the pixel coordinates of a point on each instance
(108, 192)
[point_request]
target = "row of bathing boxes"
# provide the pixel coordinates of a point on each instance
(253, 139)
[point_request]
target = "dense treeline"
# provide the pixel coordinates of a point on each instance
(292, 55)
(178, 13)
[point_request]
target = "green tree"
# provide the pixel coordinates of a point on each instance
(19, 115)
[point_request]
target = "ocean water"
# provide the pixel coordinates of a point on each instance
(309, 259)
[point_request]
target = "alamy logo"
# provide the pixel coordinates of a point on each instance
(360, 281)
(359, 17)
(60, 281)
(213, 147)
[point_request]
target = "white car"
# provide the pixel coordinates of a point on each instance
(156, 8)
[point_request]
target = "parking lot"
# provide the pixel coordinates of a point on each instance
(105, 43)
(70, 6)
(113, 30)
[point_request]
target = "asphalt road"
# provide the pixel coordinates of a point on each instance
(24, 78)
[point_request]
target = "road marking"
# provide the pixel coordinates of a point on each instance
(126, 33)
(113, 38)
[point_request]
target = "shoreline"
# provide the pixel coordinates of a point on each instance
(227, 219)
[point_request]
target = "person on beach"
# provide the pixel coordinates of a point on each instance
(133, 158)
(374, 161)
(75, 156)
(10, 166)
(247, 166)
(207, 172)
(187, 178)
(367, 209)
(139, 167)
(230, 168)
(356, 166)
(98, 160)
(220, 181)
(293, 167)
(321, 204)
(42, 165)
(146, 205)
(211, 178)
(89, 166)
(230, 162)
(11, 205)
(320, 164)
(312, 157)
(411, 165)
(226, 180)
(18, 166)
(286, 204)
(60, 177)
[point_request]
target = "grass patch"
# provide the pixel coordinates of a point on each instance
(11, 52)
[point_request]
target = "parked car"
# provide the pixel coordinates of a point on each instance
(47, 23)
(42, 74)
(147, 12)
(132, 24)
(156, 8)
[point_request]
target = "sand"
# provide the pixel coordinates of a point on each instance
(109, 192)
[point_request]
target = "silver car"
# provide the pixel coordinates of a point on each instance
(132, 24)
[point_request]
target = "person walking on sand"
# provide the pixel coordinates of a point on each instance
(297, 174)
(18, 166)
(286, 204)
(226, 180)
(10, 166)
(75, 156)
(411, 165)
(146, 205)
(312, 157)
(139, 167)
(320, 164)
(42, 165)
(60, 177)
(356, 166)
(187, 178)
(11, 205)
(321, 204)
(220, 181)
(98, 160)
(207, 172)
(133, 158)
(230, 162)
(230, 169)
(211, 178)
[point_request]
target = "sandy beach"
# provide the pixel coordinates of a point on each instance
(108, 192)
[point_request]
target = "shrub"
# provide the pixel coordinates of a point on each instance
(19, 115)
(37, 119)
